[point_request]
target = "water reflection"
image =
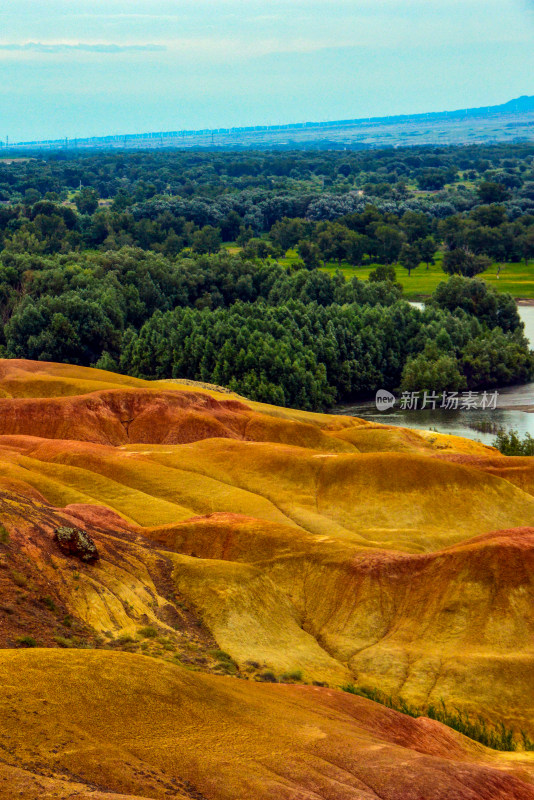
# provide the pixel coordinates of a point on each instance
(473, 424)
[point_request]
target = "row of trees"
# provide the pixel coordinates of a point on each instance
(133, 177)
(471, 243)
(370, 235)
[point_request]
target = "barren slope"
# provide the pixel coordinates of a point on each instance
(62, 718)
(246, 540)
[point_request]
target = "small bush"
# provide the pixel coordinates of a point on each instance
(49, 603)
(62, 641)
(27, 641)
(220, 655)
(225, 661)
(267, 677)
(294, 676)
(4, 535)
(18, 578)
(227, 666)
(511, 444)
(148, 632)
(125, 639)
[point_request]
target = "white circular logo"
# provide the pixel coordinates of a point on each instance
(384, 400)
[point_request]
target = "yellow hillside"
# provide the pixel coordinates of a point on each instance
(114, 726)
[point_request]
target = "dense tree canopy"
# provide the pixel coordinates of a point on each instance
(165, 264)
(294, 337)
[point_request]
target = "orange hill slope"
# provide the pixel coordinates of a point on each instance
(94, 405)
(121, 726)
(244, 539)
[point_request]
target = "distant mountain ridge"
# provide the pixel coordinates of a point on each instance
(265, 134)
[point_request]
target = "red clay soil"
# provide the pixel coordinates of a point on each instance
(119, 416)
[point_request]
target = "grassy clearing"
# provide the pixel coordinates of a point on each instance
(517, 279)
(497, 737)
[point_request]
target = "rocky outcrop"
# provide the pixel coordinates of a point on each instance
(75, 542)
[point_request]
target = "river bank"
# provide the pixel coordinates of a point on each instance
(514, 411)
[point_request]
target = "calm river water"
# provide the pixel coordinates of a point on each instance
(474, 424)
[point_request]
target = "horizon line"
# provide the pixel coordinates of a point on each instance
(73, 141)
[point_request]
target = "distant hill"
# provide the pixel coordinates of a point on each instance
(523, 103)
(511, 121)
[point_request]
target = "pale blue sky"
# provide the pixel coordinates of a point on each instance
(75, 68)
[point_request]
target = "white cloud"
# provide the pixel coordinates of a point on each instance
(67, 47)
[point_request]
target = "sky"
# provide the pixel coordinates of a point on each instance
(97, 67)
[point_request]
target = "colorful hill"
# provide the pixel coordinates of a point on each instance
(240, 544)
(125, 727)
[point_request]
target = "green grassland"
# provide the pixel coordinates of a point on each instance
(518, 279)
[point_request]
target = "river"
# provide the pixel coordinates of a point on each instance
(474, 424)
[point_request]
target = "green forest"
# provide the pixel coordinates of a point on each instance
(172, 264)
